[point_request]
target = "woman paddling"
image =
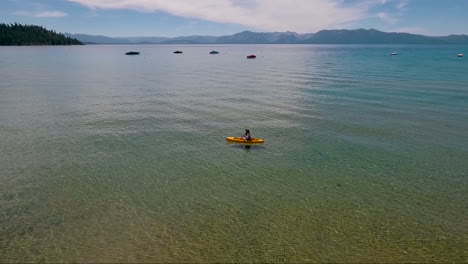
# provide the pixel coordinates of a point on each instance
(247, 136)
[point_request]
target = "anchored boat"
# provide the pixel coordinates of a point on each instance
(132, 53)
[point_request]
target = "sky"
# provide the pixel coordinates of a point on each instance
(170, 18)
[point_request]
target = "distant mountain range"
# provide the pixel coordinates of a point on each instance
(357, 36)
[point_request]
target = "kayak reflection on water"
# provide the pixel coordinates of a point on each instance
(247, 147)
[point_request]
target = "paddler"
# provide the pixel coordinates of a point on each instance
(247, 136)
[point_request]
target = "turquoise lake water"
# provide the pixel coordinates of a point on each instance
(113, 158)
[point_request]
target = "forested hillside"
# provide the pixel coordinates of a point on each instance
(22, 35)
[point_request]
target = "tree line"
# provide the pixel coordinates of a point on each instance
(22, 35)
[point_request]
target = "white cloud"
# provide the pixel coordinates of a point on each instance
(402, 4)
(400, 7)
(271, 15)
(51, 14)
(42, 14)
(399, 4)
(387, 18)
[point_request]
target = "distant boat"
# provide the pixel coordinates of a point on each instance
(251, 57)
(393, 53)
(460, 55)
(132, 53)
(214, 52)
(178, 52)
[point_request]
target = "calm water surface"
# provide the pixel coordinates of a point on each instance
(113, 158)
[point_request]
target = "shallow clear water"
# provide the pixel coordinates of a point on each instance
(113, 158)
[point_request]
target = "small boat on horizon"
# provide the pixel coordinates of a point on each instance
(178, 52)
(132, 53)
(393, 53)
(214, 52)
(251, 57)
(460, 55)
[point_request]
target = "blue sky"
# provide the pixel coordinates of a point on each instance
(222, 17)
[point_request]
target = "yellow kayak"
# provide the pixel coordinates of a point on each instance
(241, 140)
